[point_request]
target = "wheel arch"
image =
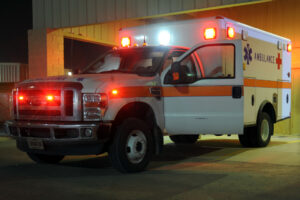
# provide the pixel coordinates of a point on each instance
(143, 111)
(267, 107)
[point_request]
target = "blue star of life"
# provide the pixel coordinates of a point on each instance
(80, 79)
(248, 52)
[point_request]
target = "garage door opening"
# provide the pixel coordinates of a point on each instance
(78, 54)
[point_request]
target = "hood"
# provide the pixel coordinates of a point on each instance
(94, 83)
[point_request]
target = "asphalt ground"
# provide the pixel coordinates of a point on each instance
(213, 168)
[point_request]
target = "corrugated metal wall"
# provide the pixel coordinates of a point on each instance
(66, 13)
(13, 72)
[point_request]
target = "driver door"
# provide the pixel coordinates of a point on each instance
(210, 99)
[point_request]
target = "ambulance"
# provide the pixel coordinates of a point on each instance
(181, 79)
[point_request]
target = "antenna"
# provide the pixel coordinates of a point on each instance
(144, 43)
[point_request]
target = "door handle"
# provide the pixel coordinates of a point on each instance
(156, 91)
(237, 92)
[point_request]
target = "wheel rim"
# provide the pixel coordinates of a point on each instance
(136, 147)
(264, 130)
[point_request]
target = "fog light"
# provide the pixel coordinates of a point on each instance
(88, 132)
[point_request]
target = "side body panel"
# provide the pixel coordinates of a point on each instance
(267, 73)
(207, 105)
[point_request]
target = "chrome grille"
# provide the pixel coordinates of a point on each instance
(65, 103)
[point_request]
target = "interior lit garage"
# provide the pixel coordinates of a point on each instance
(60, 27)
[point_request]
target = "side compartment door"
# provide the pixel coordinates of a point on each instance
(209, 102)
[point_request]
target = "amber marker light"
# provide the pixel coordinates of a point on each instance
(115, 92)
(230, 32)
(125, 42)
(210, 33)
(289, 47)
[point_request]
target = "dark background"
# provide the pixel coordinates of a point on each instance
(78, 54)
(15, 20)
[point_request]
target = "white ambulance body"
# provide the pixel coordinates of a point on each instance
(182, 79)
(262, 67)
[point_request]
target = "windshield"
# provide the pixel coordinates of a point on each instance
(141, 60)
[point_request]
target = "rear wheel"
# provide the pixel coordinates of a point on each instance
(41, 158)
(259, 135)
(184, 139)
(131, 148)
(264, 130)
(246, 139)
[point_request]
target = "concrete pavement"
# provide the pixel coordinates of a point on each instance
(214, 168)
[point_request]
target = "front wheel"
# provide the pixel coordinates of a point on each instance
(131, 148)
(47, 159)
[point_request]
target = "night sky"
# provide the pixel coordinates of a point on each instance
(16, 19)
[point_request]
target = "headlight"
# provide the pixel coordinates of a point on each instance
(94, 106)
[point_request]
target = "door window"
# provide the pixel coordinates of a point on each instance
(188, 69)
(216, 61)
(172, 57)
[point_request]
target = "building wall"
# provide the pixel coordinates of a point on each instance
(55, 52)
(37, 53)
(46, 46)
(4, 106)
(66, 13)
(10, 74)
(5, 94)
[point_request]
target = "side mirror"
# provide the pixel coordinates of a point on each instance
(175, 73)
(180, 74)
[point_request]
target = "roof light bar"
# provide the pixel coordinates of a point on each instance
(125, 41)
(164, 37)
(230, 32)
(210, 33)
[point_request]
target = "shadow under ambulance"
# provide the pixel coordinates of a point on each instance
(207, 150)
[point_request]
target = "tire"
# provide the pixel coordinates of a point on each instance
(45, 159)
(132, 145)
(264, 130)
(246, 139)
(184, 139)
(259, 135)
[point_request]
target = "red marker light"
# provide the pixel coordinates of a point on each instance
(289, 47)
(210, 33)
(230, 32)
(50, 97)
(21, 98)
(125, 41)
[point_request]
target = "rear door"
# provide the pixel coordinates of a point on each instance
(212, 103)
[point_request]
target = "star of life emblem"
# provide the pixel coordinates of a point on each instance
(248, 52)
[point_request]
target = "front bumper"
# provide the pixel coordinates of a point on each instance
(60, 138)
